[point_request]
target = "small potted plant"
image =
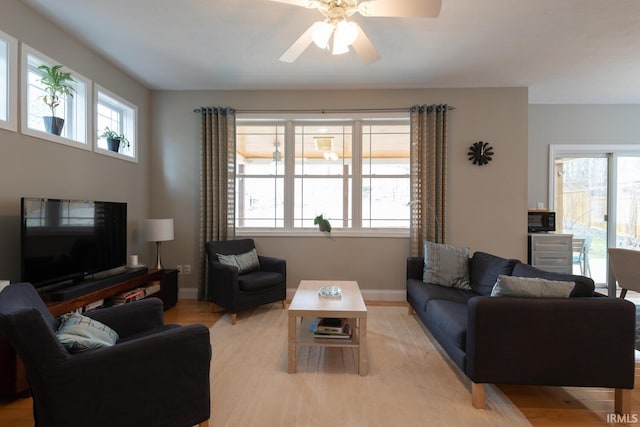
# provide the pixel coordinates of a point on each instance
(322, 223)
(114, 139)
(56, 84)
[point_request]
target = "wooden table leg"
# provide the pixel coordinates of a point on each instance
(292, 345)
(362, 349)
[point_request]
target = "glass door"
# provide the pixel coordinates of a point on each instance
(628, 203)
(596, 196)
(580, 202)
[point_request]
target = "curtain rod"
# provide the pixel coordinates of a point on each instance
(326, 110)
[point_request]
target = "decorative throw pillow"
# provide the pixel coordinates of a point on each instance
(80, 333)
(228, 260)
(532, 287)
(245, 262)
(446, 265)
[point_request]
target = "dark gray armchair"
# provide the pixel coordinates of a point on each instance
(235, 292)
(155, 375)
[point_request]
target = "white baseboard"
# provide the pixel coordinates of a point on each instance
(368, 294)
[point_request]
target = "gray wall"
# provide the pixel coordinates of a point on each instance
(574, 124)
(33, 167)
(487, 204)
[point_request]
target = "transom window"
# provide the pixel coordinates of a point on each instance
(119, 116)
(355, 172)
(72, 109)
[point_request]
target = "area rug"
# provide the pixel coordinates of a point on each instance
(409, 383)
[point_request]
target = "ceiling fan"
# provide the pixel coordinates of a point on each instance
(336, 32)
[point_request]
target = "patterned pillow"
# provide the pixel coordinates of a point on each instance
(245, 262)
(80, 333)
(531, 287)
(446, 265)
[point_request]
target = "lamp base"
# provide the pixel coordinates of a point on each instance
(158, 263)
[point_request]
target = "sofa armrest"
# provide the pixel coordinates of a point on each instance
(174, 363)
(129, 319)
(415, 268)
(551, 341)
(276, 265)
(222, 281)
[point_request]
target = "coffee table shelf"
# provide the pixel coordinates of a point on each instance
(306, 338)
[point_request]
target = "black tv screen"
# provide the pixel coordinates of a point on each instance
(66, 240)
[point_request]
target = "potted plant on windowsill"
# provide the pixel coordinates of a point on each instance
(56, 84)
(322, 223)
(114, 140)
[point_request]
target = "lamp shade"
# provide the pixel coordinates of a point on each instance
(158, 230)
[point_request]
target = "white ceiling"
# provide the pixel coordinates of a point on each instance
(565, 51)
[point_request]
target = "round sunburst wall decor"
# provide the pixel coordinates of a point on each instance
(480, 153)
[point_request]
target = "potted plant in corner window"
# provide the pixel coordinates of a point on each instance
(114, 140)
(323, 224)
(56, 84)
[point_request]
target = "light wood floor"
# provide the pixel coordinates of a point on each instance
(543, 406)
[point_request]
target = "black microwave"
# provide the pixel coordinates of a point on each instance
(541, 221)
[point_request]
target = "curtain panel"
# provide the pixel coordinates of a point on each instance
(217, 181)
(428, 175)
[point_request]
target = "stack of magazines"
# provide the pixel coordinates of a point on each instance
(331, 328)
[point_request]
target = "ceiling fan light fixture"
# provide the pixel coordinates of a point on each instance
(338, 48)
(346, 33)
(322, 34)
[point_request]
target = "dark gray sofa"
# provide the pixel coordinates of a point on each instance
(585, 340)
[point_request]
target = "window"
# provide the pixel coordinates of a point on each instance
(8, 79)
(74, 110)
(120, 116)
(353, 171)
(385, 175)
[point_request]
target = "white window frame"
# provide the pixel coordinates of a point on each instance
(10, 98)
(81, 102)
(129, 123)
(356, 230)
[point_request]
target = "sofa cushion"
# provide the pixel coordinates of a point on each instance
(446, 265)
(584, 285)
(484, 270)
(533, 287)
(448, 319)
(258, 280)
(420, 293)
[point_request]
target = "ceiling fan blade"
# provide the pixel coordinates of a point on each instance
(302, 3)
(364, 48)
(401, 8)
(300, 45)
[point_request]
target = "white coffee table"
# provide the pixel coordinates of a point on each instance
(307, 303)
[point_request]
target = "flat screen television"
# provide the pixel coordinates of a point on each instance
(68, 240)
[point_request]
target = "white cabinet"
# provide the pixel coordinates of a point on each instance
(551, 252)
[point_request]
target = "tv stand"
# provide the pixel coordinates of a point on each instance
(13, 381)
(77, 289)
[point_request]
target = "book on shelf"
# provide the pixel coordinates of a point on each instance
(331, 324)
(152, 288)
(93, 305)
(330, 328)
(345, 335)
(127, 297)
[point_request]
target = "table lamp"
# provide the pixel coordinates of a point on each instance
(158, 230)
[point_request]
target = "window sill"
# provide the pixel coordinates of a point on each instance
(393, 234)
(55, 138)
(116, 155)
